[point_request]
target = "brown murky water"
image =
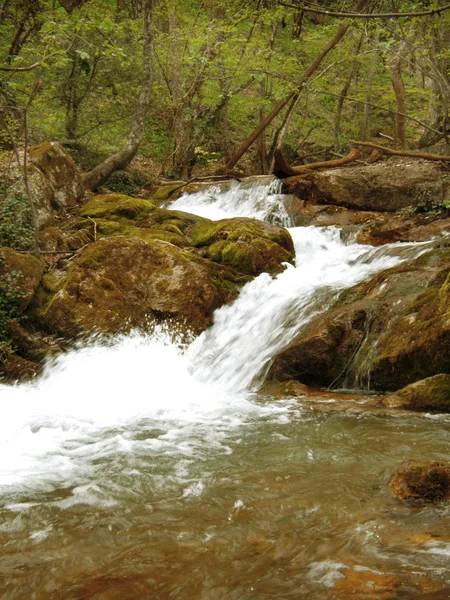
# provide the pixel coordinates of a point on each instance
(292, 505)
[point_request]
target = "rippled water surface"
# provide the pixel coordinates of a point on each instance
(143, 468)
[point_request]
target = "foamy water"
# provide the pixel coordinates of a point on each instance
(143, 467)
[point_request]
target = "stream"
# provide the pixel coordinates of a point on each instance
(151, 468)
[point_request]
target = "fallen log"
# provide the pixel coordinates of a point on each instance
(405, 153)
(283, 168)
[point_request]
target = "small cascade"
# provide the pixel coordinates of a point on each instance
(259, 201)
(236, 352)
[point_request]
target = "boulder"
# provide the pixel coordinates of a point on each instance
(118, 283)
(383, 334)
(430, 394)
(370, 227)
(56, 182)
(421, 480)
(20, 275)
(389, 186)
(247, 245)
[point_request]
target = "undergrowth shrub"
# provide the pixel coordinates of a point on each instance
(16, 230)
(10, 296)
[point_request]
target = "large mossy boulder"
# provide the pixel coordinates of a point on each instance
(382, 334)
(430, 394)
(247, 245)
(55, 181)
(118, 283)
(421, 480)
(388, 186)
(20, 275)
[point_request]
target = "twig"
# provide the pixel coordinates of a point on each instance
(95, 228)
(353, 15)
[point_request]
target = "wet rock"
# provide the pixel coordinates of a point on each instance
(55, 181)
(363, 583)
(383, 334)
(247, 245)
(380, 187)
(22, 273)
(16, 368)
(429, 481)
(32, 346)
(281, 389)
(370, 227)
(431, 394)
(118, 283)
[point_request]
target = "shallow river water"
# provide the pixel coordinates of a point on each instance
(144, 468)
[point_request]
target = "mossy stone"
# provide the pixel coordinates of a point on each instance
(421, 480)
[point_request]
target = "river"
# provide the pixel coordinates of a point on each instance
(151, 468)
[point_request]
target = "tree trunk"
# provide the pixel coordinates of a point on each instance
(396, 73)
(370, 78)
(95, 178)
(294, 93)
(344, 92)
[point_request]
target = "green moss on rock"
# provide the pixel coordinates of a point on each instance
(111, 206)
(247, 245)
(430, 394)
(118, 283)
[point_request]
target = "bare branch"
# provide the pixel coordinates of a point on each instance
(354, 15)
(392, 152)
(29, 68)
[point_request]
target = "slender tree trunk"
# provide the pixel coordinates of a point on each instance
(93, 179)
(370, 78)
(298, 24)
(262, 150)
(344, 92)
(294, 93)
(396, 73)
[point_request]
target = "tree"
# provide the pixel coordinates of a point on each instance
(97, 176)
(292, 96)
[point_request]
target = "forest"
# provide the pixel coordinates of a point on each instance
(224, 299)
(187, 82)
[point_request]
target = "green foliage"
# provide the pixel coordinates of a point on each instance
(205, 51)
(125, 182)
(122, 182)
(10, 297)
(16, 229)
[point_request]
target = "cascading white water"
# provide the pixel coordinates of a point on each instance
(236, 352)
(141, 467)
(102, 400)
(261, 201)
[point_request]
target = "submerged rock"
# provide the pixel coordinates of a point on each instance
(431, 394)
(119, 283)
(429, 481)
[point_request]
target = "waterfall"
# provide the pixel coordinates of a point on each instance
(262, 201)
(148, 394)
